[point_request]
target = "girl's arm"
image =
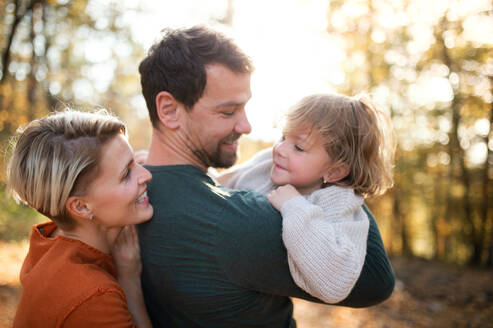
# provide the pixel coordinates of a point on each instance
(126, 255)
(253, 174)
(228, 178)
(326, 239)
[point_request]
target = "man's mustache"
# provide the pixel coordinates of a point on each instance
(231, 138)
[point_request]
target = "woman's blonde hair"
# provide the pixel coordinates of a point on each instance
(56, 157)
(355, 133)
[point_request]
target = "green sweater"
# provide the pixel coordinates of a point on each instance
(214, 257)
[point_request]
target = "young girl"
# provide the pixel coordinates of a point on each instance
(334, 152)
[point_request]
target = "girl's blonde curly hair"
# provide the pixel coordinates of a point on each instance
(355, 133)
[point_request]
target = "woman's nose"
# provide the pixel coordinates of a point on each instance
(145, 176)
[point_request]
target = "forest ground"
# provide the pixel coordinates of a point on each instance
(427, 294)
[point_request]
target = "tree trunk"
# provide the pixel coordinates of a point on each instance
(487, 194)
(457, 154)
(438, 219)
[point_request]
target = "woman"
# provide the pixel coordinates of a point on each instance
(78, 170)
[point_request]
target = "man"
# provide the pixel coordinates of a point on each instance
(214, 257)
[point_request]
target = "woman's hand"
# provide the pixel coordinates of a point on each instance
(126, 255)
(281, 195)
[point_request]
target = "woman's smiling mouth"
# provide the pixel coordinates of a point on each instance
(143, 199)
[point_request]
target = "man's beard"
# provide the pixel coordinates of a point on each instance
(218, 158)
(222, 159)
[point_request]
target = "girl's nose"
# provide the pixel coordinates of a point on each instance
(280, 148)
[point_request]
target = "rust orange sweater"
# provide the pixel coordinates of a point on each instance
(67, 283)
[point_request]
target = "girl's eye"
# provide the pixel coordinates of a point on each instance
(298, 148)
(127, 174)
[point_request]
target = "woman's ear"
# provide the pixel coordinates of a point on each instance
(77, 208)
(167, 110)
(336, 173)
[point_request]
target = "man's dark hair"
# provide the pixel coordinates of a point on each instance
(177, 64)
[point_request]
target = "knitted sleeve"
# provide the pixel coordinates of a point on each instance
(325, 236)
(253, 174)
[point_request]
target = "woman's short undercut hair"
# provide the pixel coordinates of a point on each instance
(56, 157)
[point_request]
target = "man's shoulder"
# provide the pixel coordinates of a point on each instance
(179, 183)
(250, 203)
(187, 184)
(182, 170)
(248, 216)
(185, 191)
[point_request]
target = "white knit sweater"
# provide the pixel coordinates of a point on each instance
(324, 233)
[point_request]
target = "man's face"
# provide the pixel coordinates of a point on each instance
(218, 119)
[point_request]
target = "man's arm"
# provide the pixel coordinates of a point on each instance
(255, 257)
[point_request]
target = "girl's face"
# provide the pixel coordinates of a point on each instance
(118, 195)
(301, 160)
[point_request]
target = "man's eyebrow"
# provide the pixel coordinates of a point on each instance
(230, 104)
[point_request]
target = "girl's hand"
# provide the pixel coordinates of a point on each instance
(126, 255)
(281, 195)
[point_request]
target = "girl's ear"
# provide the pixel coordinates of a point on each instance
(77, 208)
(336, 173)
(167, 108)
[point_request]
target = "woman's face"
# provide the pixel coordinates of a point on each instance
(118, 195)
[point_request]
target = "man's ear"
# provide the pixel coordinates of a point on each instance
(167, 110)
(77, 208)
(336, 173)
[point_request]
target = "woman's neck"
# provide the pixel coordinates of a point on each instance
(92, 234)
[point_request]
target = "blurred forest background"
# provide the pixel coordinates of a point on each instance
(433, 72)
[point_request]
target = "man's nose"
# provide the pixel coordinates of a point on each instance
(242, 125)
